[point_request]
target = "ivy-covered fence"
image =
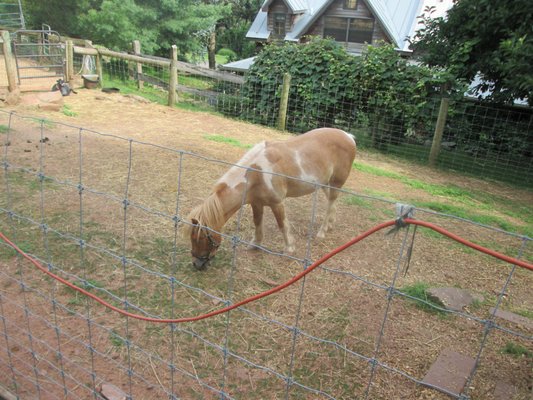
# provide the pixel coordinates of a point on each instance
(391, 105)
(480, 139)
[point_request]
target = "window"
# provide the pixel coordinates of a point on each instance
(353, 30)
(336, 28)
(350, 4)
(279, 25)
(361, 31)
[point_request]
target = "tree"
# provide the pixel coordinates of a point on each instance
(231, 31)
(116, 23)
(489, 39)
(60, 15)
(185, 23)
(159, 24)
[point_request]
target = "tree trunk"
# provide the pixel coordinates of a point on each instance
(211, 48)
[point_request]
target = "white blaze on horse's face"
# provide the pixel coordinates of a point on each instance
(204, 243)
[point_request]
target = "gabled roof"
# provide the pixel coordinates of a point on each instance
(398, 18)
(296, 6)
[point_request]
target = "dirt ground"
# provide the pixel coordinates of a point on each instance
(341, 307)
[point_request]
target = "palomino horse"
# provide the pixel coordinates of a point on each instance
(263, 178)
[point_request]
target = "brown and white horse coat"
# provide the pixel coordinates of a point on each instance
(265, 176)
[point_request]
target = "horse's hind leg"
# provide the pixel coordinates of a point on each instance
(258, 222)
(329, 218)
(283, 224)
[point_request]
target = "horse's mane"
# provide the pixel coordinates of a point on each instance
(210, 213)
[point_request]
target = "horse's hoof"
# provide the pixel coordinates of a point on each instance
(253, 247)
(289, 250)
(321, 234)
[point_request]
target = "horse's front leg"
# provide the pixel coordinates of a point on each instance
(329, 219)
(258, 222)
(283, 224)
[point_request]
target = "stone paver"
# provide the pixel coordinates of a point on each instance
(450, 371)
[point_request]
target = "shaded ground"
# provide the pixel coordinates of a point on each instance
(335, 305)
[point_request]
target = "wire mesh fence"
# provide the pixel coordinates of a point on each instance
(104, 212)
(494, 142)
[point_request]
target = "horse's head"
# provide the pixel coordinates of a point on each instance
(205, 243)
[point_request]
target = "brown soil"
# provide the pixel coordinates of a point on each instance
(341, 307)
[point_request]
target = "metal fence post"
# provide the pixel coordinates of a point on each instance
(284, 102)
(11, 68)
(439, 129)
(173, 79)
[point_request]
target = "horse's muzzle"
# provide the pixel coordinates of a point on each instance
(200, 264)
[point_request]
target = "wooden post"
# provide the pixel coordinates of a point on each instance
(99, 69)
(173, 79)
(439, 129)
(69, 73)
(11, 68)
(139, 67)
(284, 102)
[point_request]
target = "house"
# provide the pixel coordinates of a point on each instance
(353, 23)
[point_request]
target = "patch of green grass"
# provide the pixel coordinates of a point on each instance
(467, 203)
(26, 247)
(485, 219)
(116, 339)
(450, 191)
(184, 104)
(45, 123)
(418, 291)
(28, 181)
(148, 91)
(227, 140)
(516, 350)
(4, 128)
(77, 298)
(379, 194)
(66, 110)
(524, 313)
(352, 200)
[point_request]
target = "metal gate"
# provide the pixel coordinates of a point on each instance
(39, 54)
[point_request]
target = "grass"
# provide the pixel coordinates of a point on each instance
(525, 313)
(4, 128)
(160, 96)
(418, 295)
(458, 161)
(66, 110)
(470, 204)
(227, 140)
(517, 350)
(115, 339)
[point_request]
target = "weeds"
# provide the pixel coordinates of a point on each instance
(230, 141)
(517, 350)
(66, 110)
(417, 293)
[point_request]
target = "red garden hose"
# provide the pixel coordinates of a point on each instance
(294, 279)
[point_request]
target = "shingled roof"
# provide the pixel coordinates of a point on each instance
(398, 17)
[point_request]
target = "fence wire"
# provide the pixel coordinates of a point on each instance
(104, 212)
(480, 139)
